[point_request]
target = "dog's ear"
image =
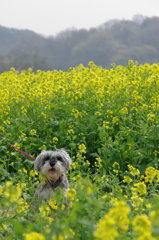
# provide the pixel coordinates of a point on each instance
(37, 166)
(39, 161)
(67, 158)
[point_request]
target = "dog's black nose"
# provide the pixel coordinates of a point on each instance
(52, 162)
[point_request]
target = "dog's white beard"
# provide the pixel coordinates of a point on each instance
(52, 173)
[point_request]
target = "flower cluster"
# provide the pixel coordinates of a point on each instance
(113, 222)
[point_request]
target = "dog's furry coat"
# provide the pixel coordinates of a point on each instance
(52, 165)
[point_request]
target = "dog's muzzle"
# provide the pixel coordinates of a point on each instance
(52, 162)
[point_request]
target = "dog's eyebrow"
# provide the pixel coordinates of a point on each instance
(59, 158)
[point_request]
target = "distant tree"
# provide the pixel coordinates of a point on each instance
(4, 63)
(149, 32)
(139, 19)
(25, 60)
(59, 49)
(142, 54)
(126, 33)
(112, 41)
(99, 47)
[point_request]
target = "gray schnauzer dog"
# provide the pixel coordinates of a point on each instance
(52, 165)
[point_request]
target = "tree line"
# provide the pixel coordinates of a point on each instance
(115, 41)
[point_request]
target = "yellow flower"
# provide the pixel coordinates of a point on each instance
(71, 194)
(124, 111)
(106, 125)
(82, 148)
(4, 226)
(150, 117)
(98, 113)
(43, 179)
(12, 192)
(32, 132)
(98, 162)
(7, 122)
(1, 190)
(23, 135)
(154, 217)
(133, 171)
(22, 205)
(2, 129)
(148, 205)
(136, 201)
(33, 173)
(150, 174)
(116, 219)
(59, 237)
(140, 188)
(76, 113)
(127, 179)
(53, 204)
(115, 120)
(116, 167)
(21, 185)
(23, 170)
(74, 165)
(63, 207)
(55, 140)
(45, 210)
(33, 236)
(71, 131)
(142, 227)
(106, 229)
(17, 145)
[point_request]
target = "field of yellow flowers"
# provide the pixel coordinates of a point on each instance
(108, 121)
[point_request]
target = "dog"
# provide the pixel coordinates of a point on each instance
(52, 165)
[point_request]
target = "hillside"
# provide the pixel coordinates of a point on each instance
(113, 41)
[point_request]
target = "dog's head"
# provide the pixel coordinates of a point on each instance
(52, 164)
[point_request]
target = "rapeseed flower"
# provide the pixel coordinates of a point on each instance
(106, 229)
(12, 192)
(140, 188)
(34, 236)
(55, 140)
(127, 179)
(116, 167)
(82, 148)
(33, 132)
(71, 194)
(45, 210)
(59, 237)
(113, 222)
(98, 162)
(124, 111)
(150, 117)
(53, 204)
(133, 171)
(142, 227)
(1, 190)
(137, 201)
(150, 174)
(33, 173)
(23, 170)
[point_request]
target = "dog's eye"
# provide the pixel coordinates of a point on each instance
(47, 158)
(59, 158)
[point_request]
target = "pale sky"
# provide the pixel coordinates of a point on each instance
(49, 17)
